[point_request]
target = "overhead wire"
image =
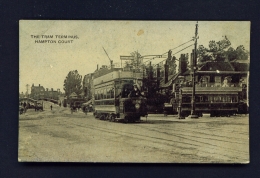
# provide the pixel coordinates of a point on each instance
(171, 49)
(175, 53)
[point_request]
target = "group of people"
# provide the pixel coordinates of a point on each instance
(135, 92)
(24, 106)
(127, 93)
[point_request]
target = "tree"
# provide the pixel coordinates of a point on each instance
(242, 54)
(137, 59)
(221, 51)
(135, 62)
(72, 83)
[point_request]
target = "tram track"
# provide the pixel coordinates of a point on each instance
(159, 140)
(181, 143)
(231, 139)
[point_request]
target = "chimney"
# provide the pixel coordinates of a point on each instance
(51, 89)
(97, 66)
(182, 64)
(158, 75)
(47, 89)
(166, 72)
(39, 85)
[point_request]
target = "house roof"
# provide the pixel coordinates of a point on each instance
(214, 66)
(171, 78)
(38, 88)
(240, 66)
(221, 67)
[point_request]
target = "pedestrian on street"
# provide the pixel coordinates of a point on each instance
(51, 107)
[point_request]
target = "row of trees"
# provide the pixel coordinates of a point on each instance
(221, 51)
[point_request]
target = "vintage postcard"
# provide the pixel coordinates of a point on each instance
(134, 91)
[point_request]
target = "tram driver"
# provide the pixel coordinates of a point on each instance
(135, 92)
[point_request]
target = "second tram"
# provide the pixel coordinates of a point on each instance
(217, 101)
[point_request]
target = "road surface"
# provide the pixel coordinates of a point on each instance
(58, 136)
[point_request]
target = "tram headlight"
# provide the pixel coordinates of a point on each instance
(137, 106)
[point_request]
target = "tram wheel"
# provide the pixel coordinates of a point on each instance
(102, 117)
(112, 118)
(95, 115)
(107, 117)
(131, 120)
(126, 119)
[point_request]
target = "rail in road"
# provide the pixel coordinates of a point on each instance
(160, 139)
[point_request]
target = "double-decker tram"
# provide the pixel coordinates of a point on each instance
(112, 97)
(217, 101)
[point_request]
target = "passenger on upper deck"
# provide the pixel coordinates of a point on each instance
(125, 93)
(225, 82)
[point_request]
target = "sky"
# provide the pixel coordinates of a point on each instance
(49, 63)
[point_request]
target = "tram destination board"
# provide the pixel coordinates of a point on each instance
(134, 91)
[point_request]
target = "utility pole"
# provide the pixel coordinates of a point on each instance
(194, 68)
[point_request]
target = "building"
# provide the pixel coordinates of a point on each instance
(37, 92)
(52, 94)
(88, 86)
(208, 74)
(21, 95)
(220, 74)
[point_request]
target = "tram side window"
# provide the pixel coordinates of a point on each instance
(234, 98)
(108, 93)
(101, 94)
(211, 98)
(215, 98)
(228, 98)
(112, 93)
(201, 98)
(186, 99)
(104, 94)
(205, 98)
(96, 95)
(198, 99)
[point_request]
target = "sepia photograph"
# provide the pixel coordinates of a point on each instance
(110, 91)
